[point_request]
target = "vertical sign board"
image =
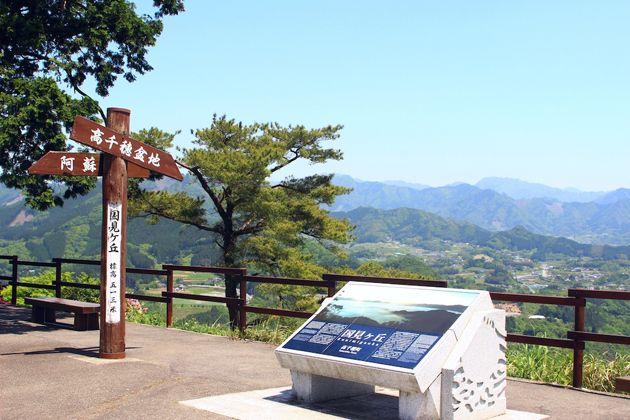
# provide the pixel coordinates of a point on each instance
(121, 157)
(113, 263)
(113, 243)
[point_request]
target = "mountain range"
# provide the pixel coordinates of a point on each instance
(510, 203)
(510, 206)
(74, 232)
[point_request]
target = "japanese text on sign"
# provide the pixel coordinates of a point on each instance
(126, 148)
(89, 164)
(114, 242)
(361, 342)
(118, 144)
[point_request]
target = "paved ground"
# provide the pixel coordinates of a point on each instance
(48, 372)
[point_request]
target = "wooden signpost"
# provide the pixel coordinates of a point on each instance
(121, 157)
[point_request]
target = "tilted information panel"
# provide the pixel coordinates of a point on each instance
(382, 326)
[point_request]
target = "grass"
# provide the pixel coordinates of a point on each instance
(196, 276)
(206, 290)
(182, 311)
(552, 365)
(267, 332)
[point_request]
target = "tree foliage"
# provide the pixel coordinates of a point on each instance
(46, 45)
(256, 222)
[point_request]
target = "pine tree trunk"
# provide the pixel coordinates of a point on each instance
(231, 292)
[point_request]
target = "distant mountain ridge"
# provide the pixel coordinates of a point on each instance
(606, 221)
(603, 221)
(518, 189)
(9, 196)
(74, 232)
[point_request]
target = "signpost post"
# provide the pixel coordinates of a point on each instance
(113, 245)
(121, 157)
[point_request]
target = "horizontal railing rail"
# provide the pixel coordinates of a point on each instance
(575, 298)
(385, 280)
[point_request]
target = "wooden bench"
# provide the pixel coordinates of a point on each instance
(85, 314)
(622, 383)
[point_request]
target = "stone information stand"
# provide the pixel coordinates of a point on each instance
(443, 349)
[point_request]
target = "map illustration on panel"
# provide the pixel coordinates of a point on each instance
(430, 319)
(379, 324)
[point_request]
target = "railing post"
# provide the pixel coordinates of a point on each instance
(14, 278)
(332, 289)
(243, 294)
(57, 277)
(578, 351)
(169, 301)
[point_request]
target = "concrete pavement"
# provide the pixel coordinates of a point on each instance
(48, 372)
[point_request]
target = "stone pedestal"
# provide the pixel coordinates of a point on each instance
(314, 388)
(416, 406)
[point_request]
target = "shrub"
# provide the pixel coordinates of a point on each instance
(548, 364)
(44, 279)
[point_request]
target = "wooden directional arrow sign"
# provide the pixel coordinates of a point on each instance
(108, 141)
(78, 164)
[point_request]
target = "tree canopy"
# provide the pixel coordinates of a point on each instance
(256, 222)
(46, 45)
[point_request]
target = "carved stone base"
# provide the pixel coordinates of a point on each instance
(474, 376)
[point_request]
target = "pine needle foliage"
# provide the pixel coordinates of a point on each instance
(257, 221)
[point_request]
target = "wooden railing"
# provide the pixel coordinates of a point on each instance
(168, 270)
(576, 298)
(577, 338)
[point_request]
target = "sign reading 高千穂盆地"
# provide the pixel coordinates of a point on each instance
(113, 143)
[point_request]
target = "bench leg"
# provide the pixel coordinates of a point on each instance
(86, 322)
(93, 322)
(42, 315)
(80, 322)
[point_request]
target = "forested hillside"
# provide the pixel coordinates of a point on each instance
(405, 239)
(605, 221)
(73, 231)
(418, 227)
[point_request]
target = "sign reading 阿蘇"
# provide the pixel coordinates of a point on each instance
(78, 164)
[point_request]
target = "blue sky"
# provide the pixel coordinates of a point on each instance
(428, 92)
